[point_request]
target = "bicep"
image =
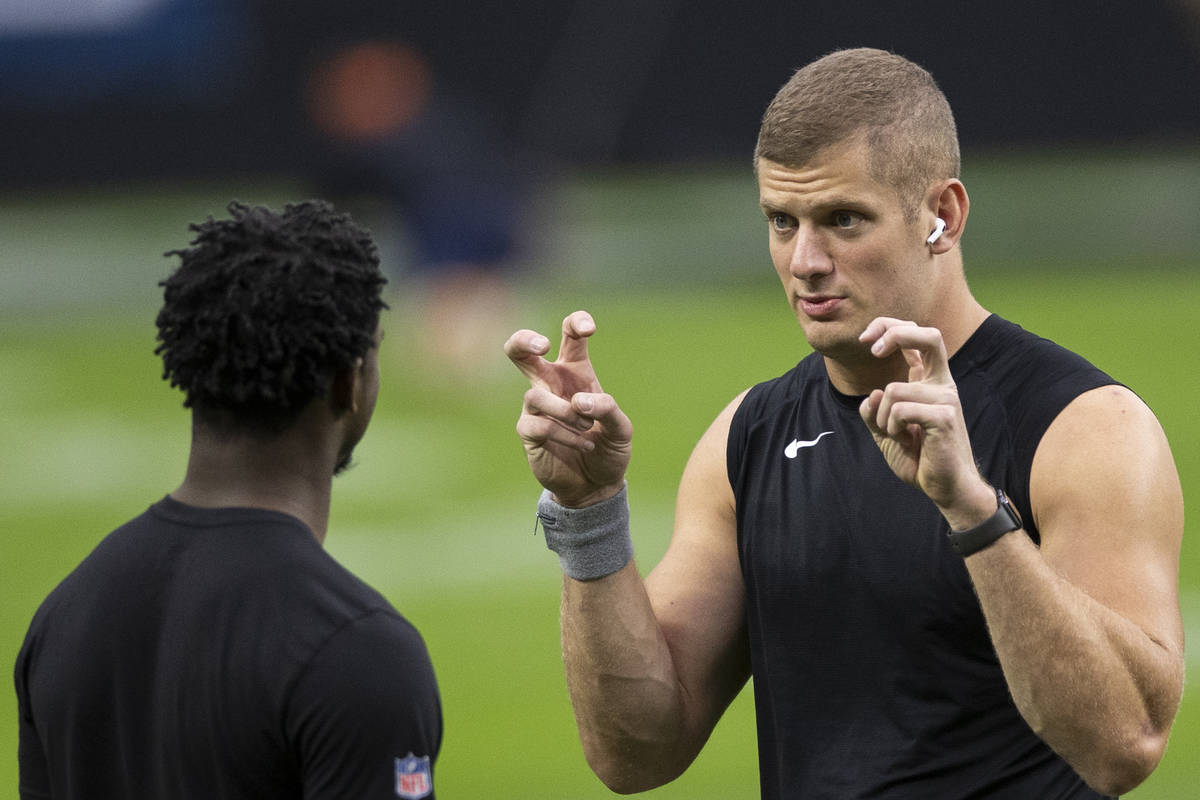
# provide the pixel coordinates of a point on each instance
(697, 590)
(1107, 500)
(368, 698)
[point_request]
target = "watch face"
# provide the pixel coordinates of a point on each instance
(1006, 504)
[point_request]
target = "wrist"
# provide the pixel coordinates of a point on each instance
(592, 541)
(589, 499)
(971, 508)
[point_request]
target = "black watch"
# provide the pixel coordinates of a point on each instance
(972, 540)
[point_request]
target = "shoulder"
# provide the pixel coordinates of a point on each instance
(763, 401)
(368, 697)
(123, 560)
(1013, 360)
(374, 669)
(1106, 438)
(378, 637)
(781, 389)
(766, 403)
(1024, 378)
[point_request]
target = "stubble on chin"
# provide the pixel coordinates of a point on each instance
(832, 339)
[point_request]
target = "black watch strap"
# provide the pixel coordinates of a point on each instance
(1005, 520)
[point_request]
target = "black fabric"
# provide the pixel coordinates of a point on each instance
(220, 653)
(874, 675)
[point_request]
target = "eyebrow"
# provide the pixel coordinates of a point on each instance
(837, 202)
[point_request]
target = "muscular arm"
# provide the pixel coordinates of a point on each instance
(651, 667)
(1087, 628)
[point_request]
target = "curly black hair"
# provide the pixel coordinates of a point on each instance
(264, 309)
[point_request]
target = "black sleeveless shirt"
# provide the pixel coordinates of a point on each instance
(874, 674)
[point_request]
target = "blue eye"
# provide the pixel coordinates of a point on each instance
(781, 222)
(845, 219)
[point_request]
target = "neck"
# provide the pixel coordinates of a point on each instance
(291, 473)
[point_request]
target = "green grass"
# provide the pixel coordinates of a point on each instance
(439, 512)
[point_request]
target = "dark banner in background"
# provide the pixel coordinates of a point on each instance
(181, 88)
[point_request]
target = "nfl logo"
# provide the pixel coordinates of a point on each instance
(413, 778)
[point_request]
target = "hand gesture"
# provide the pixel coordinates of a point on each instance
(577, 440)
(919, 424)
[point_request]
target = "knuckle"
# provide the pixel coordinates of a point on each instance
(528, 435)
(530, 402)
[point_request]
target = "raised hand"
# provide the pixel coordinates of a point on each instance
(919, 425)
(577, 439)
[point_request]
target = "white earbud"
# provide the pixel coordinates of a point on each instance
(938, 227)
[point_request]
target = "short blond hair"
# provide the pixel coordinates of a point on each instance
(894, 104)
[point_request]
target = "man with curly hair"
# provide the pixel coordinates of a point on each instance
(211, 648)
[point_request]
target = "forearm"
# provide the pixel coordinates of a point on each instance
(627, 699)
(620, 672)
(1094, 685)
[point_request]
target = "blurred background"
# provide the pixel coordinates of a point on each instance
(516, 161)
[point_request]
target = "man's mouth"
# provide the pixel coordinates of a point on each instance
(819, 305)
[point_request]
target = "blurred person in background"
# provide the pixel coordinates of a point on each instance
(346, 97)
(445, 182)
(945, 549)
(211, 647)
(389, 135)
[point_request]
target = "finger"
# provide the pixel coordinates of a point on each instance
(536, 431)
(868, 409)
(928, 356)
(879, 326)
(928, 393)
(932, 419)
(603, 408)
(576, 329)
(913, 396)
(526, 349)
(903, 415)
(542, 402)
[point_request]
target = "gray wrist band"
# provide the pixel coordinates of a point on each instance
(591, 542)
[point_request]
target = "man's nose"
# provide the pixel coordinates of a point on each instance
(810, 257)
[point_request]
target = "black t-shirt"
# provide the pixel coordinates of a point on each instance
(874, 674)
(222, 653)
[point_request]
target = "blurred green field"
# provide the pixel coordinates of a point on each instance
(438, 514)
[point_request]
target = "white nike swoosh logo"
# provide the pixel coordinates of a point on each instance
(793, 448)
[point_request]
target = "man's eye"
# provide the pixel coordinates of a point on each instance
(781, 222)
(845, 219)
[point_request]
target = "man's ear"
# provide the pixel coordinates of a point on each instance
(345, 392)
(949, 202)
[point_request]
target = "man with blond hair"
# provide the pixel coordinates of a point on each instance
(945, 549)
